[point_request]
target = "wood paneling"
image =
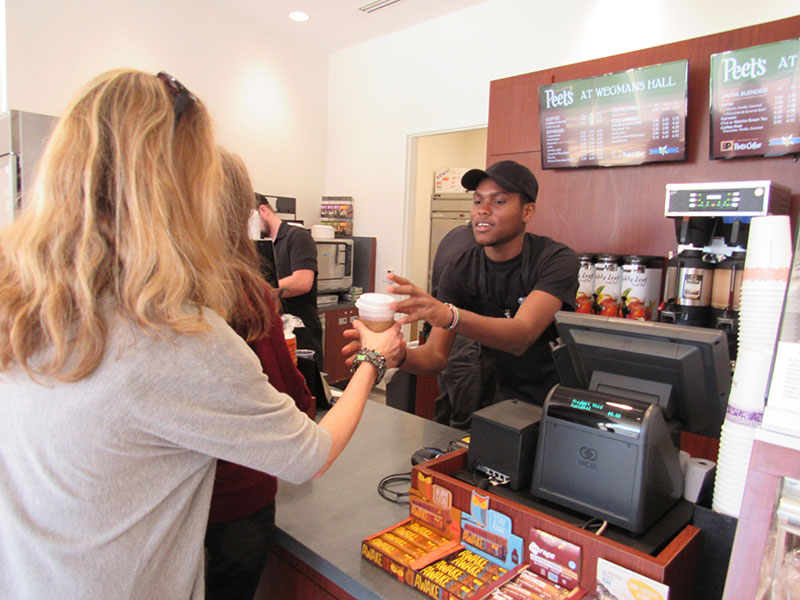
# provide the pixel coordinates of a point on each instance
(425, 400)
(337, 321)
(700, 446)
(286, 576)
(621, 209)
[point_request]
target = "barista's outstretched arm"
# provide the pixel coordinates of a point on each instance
(513, 335)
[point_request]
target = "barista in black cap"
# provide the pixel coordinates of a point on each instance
(503, 292)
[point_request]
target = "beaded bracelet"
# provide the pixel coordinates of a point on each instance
(456, 315)
(373, 357)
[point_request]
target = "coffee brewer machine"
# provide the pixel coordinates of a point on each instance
(712, 221)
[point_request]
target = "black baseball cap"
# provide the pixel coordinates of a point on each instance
(509, 175)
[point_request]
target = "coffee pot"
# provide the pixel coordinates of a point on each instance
(687, 289)
(725, 292)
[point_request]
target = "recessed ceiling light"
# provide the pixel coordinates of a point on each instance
(299, 16)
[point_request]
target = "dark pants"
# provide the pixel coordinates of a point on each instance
(467, 384)
(236, 552)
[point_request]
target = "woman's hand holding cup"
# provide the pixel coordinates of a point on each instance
(376, 316)
(389, 343)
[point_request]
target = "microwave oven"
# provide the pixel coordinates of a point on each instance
(334, 264)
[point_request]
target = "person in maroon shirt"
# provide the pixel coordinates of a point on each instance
(242, 516)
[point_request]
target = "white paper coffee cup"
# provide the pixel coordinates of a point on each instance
(375, 312)
(769, 247)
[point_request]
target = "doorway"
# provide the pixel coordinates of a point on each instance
(427, 154)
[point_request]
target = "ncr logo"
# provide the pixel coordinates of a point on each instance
(588, 458)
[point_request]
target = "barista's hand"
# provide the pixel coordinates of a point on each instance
(419, 305)
(390, 343)
(349, 349)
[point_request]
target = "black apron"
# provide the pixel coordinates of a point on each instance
(530, 376)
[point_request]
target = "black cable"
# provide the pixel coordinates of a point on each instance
(384, 486)
(593, 524)
(391, 495)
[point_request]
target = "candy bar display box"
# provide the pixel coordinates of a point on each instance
(450, 554)
(461, 542)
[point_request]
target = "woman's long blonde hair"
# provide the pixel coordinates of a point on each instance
(126, 209)
(252, 313)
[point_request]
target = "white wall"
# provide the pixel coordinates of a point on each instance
(309, 125)
(268, 95)
(3, 61)
(435, 77)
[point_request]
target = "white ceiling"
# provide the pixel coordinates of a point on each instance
(338, 24)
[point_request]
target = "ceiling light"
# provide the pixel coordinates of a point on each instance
(298, 16)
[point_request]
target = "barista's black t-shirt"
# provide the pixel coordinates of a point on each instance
(295, 250)
(497, 289)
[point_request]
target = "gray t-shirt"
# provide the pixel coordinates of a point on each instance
(105, 483)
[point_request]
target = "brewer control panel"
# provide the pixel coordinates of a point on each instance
(727, 199)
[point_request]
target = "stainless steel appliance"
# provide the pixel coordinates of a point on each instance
(334, 264)
(712, 222)
(688, 289)
(447, 212)
(23, 136)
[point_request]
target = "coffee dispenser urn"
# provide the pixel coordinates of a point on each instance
(728, 276)
(687, 289)
(712, 222)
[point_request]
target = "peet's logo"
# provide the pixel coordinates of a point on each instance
(562, 98)
(733, 71)
(734, 145)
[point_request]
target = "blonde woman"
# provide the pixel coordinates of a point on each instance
(120, 380)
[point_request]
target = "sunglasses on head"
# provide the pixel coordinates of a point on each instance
(181, 96)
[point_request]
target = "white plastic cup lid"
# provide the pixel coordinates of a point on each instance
(375, 306)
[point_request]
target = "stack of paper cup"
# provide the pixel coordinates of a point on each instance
(766, 271)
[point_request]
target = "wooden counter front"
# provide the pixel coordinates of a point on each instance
(674, 566)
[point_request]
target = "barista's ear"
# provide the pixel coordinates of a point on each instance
(528, 209)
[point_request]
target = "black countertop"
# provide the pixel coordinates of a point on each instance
(323, 521)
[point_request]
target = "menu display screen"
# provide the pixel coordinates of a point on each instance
(627, 118)
(754, 93)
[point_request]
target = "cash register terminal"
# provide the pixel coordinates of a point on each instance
(605, 447)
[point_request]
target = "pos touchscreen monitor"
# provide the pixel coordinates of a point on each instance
(684, 370)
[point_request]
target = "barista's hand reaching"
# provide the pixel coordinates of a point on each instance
(419, 306)
(390, 343)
